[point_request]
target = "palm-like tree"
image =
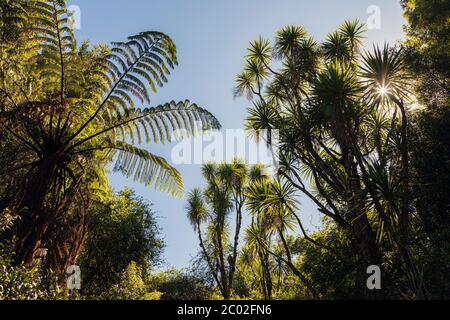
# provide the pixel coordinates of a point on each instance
(273, 205)
(72, 110)
(333, 122)
(387, 84)
(197, 214)
(255, 256)
(224, 194)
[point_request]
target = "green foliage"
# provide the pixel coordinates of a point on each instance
(339, 274)
(428, 48)
(24, 283)
(122, 230)
(178, 285)
(12, 19)
(427, 51)
(130, 285)
(6, 221)
(430, 142)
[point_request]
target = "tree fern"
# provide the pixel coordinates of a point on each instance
(72, 110)
(90, 118)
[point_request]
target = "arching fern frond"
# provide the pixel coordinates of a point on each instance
(172, 121)
(56, 41)
(140, 64)
(165, 123)
(132, 68)
(147, 168)
(13, 17)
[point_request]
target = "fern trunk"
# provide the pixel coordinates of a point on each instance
(34, 211)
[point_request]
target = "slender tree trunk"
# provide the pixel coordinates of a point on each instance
(294, 269)
(404, 218)
(223, 274)
(364, 233)
(268, 276)
(236, 243)
(208, 259)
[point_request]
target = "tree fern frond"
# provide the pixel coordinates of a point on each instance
(147, 168)
(139, 61)
(50, 24)
(167, 122)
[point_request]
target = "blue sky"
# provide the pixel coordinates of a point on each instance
(212, 37)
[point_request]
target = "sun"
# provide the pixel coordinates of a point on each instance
(383, 91)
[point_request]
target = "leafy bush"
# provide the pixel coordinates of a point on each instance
(153, 295)
(179, 285)
(24, 283)
(130, 286)
(121, 230)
